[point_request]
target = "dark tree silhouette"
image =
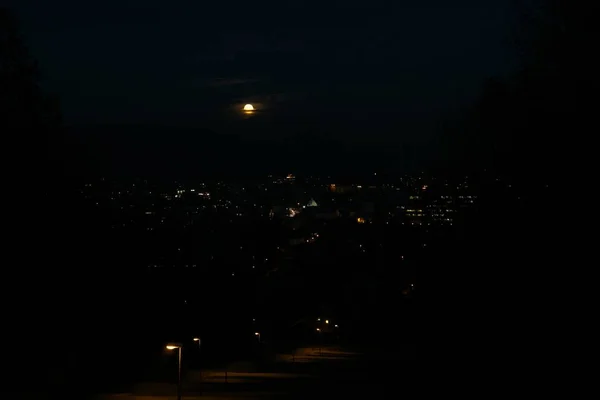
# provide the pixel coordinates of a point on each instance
(31, 117)
(524, 127)
(527, 123)
(33, 155)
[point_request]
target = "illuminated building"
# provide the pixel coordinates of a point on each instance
(415, 215)
(442, 209)
(415, 210)
(335, 188)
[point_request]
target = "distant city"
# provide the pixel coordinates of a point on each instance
(413, 201)
(215, 226)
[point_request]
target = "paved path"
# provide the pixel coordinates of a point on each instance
(311, 372)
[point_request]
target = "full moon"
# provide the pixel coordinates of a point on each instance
(248, 107)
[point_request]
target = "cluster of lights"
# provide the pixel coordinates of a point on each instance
(326, 323)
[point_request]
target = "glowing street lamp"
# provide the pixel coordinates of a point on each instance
(258, 335)
(177, 346)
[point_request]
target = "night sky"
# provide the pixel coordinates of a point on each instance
(356, 71)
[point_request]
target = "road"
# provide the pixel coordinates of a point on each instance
(329, 372)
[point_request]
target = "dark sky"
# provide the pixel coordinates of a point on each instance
(382, 71)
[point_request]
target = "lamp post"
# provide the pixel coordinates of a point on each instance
(320, 340)
(178, 347)
(197, 339)
(257, 334)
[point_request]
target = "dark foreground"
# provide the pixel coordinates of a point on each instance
(311, 372)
